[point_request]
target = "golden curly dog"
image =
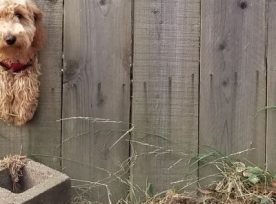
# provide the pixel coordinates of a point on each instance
(21, 37)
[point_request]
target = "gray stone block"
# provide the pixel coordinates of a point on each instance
(38, 185)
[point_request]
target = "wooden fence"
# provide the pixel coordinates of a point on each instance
(185, 73)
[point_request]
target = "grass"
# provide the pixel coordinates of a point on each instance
(15, 166)
(232, 180)
(235, 182)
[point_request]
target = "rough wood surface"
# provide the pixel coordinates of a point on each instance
(165, 94)
(97, 52)
(271, 85)
(40, 137)
(233, 77)
(227, 83)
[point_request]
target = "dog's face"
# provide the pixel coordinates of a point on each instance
(20, 26)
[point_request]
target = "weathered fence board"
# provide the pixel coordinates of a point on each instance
(186, 98)
(233, 77)
(165, 94)
(97, 50)
(271, 85)
(40, 138)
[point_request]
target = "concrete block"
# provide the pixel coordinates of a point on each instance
(38, 185)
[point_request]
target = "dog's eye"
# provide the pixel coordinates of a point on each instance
(19, 15)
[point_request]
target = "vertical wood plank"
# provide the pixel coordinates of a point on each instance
(165, 94)
(96, 85)
(271, 85)
(40, 137)
(233, 77)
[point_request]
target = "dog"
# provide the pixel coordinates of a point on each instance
(21, 37)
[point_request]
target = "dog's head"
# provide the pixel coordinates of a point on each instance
(20, 27)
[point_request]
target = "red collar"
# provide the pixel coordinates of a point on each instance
(15, 67)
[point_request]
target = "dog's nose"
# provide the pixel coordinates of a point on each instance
(10, 39)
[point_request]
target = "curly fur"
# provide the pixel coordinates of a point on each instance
(19, 91)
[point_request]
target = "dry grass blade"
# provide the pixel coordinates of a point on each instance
(173, 198)
(15, 166)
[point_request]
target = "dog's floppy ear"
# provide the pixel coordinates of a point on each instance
(38, 40)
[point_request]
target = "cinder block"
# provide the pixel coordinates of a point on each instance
(39, 185)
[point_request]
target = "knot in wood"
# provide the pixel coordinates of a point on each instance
(102, 2)
(243, 4)
(222, 46)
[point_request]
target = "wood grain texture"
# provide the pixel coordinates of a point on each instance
(271, 85)
(165, 94)
(96, 84)
(40, 137)
(233, 77)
